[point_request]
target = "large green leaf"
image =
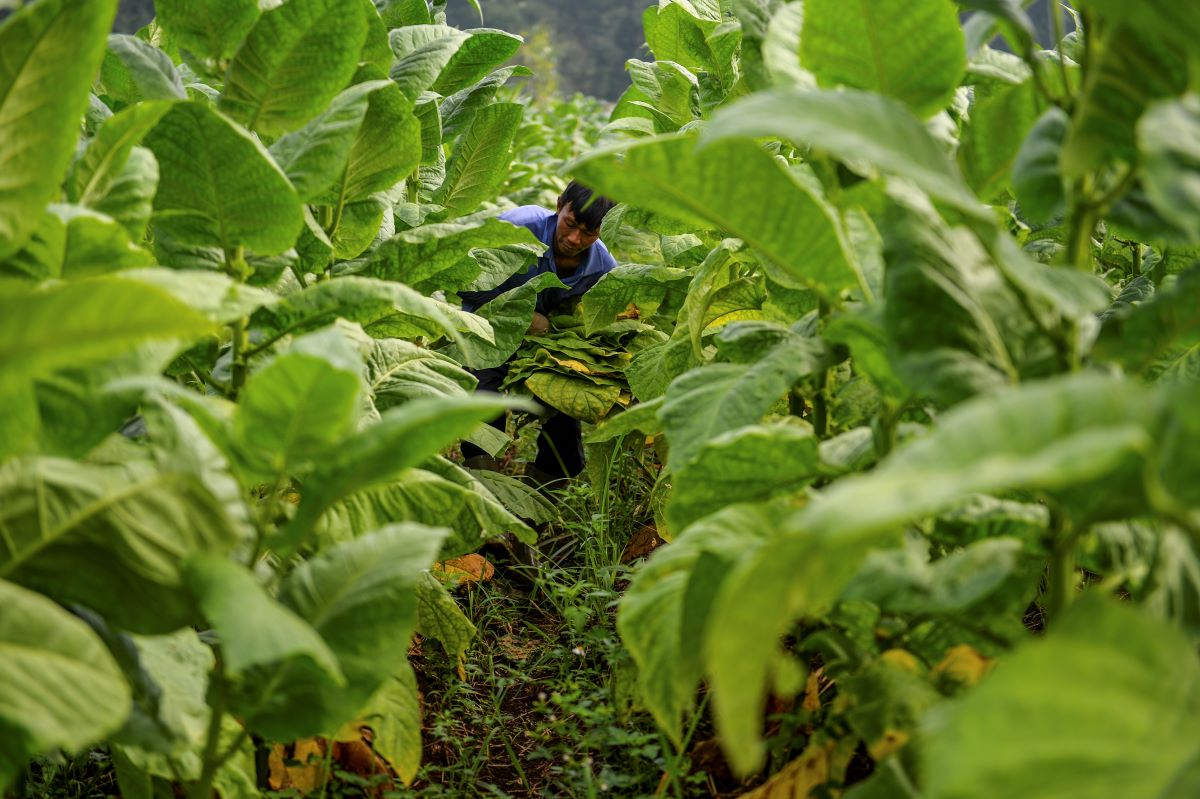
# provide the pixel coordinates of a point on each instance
(1160, 18)
(399, 371)
(480, 161)
(60, 687)
(1037, 178)
(218, 297)
(1001, 116)
(1068, 438)
(219, 186)
(847, 125)
(439, 617)
(716, 399)
(460, 108)
(361, 598)
(298, 406)
(904, 581)
(47, 328)
(517, 496)
(78, 407)
(384, 309)
(755, 17)
(984, 339)
(184, 443)
(398, 13)
(509, 315)
(670, 88)
(1169, 139)
(664, 614)
(911, 51)
(121, 533)
(729, 469)
(1105, 705)
(781, 48)
(170, 715)
(210, 29)
(1141, 335)
(575, 395)
(135, 71)
(1113, 99)
(689, 34)
(387, 148)
(420, 496)
(292, 63)
(315, 156)
(485, 50)
(52, 50)
(97, 180)
(799, 571)
(426, 257)
(404, 436)
(422, 52)
(736, 187)
(632, 284)
(253, 629)
(74, 242)
(394, 713)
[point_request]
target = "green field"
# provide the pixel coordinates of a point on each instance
(891, 406)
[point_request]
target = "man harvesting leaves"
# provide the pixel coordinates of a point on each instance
(576, 255)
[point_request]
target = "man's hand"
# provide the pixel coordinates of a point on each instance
(540, 325)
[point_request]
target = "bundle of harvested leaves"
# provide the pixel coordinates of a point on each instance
(581, 376)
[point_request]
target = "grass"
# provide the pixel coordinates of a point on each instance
(548, 707)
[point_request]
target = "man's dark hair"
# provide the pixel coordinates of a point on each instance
(589, 207)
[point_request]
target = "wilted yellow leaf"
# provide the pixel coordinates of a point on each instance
(901, 659)
(467, 569)
(964, 664)
(798, 778)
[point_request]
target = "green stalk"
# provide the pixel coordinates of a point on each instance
(241, 342)
(1082, 222)
(1060, 587)
(211, 759)
(235, 267)
(1057, 10)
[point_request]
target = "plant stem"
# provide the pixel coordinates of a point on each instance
(235, 267)
(211, 759)
(241, 342)
(1060, 588)
(1056, 9)
(1082, 223)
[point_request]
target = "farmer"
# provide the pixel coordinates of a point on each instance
(575, 253)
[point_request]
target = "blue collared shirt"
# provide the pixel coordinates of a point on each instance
(595, 264)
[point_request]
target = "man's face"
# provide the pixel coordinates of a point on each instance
(572, 238)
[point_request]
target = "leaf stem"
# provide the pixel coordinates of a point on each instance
(1057, 10)
(1060, 588)
(211, 759)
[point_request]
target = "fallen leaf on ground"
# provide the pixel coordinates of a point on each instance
(467, 569)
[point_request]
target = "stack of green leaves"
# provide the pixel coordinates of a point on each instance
(582, 376)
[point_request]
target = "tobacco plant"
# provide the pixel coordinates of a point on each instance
(230, 248)
(930, 401)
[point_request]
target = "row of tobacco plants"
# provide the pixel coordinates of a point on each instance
(912, 323)
(232, 361)
(928, 391)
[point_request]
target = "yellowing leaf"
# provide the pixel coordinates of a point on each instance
(891, 742)
(467, 569)
(963, 664)
(798, 778)
(901, 659)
